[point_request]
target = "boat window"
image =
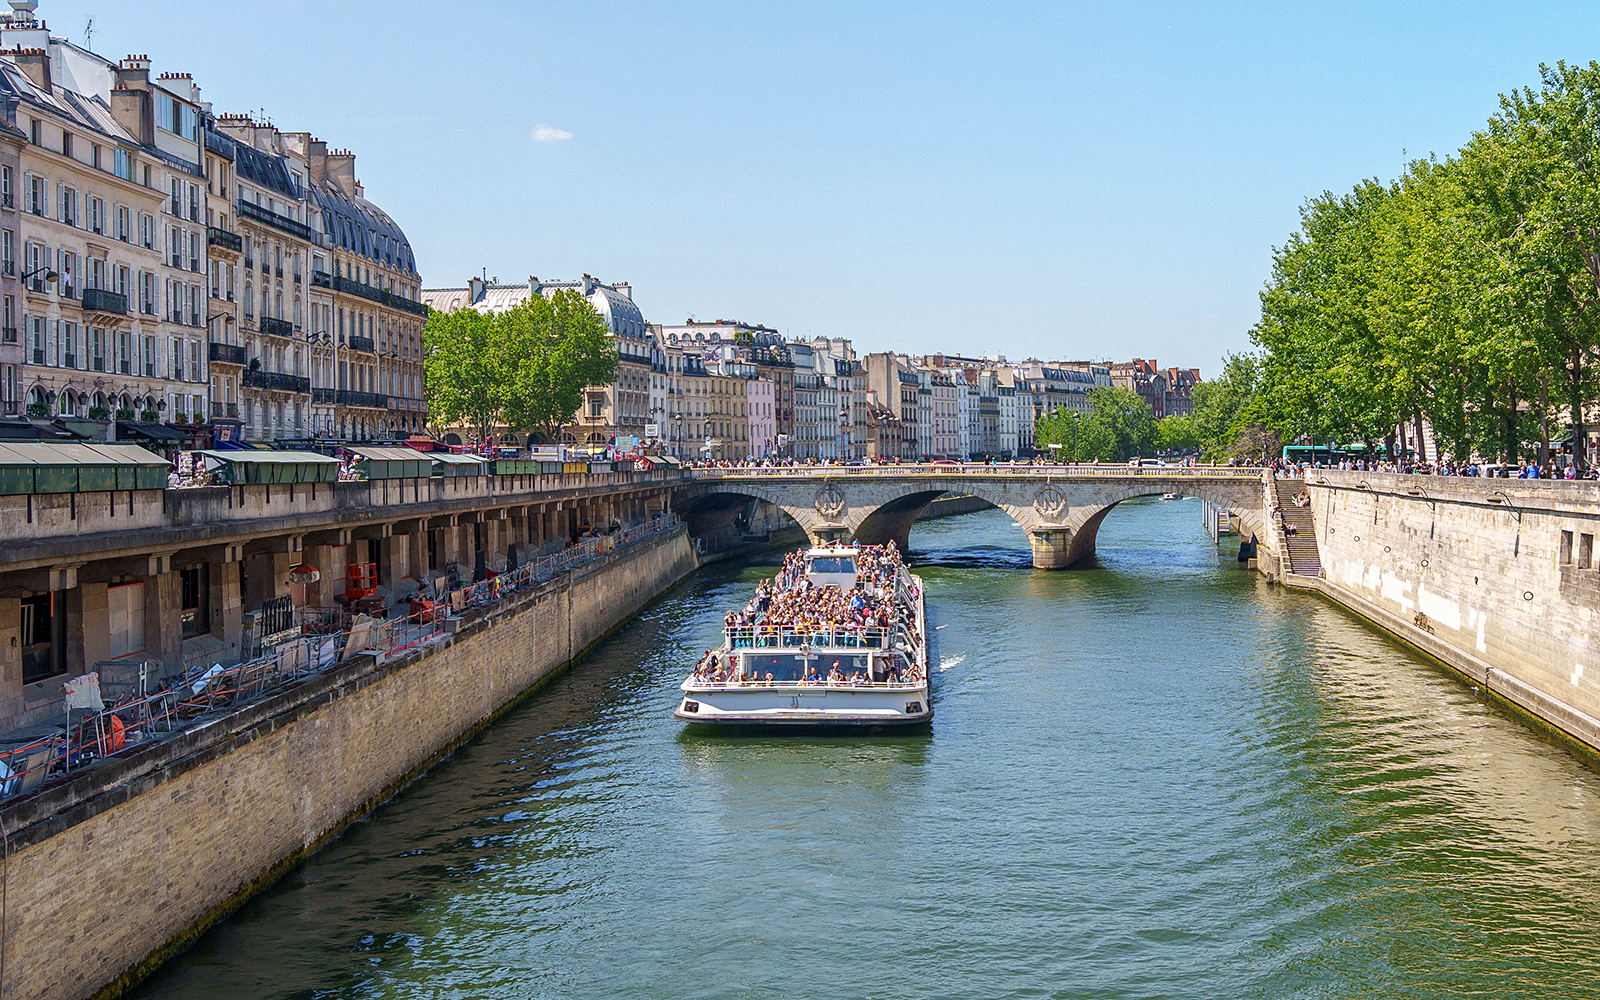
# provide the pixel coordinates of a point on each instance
(789, 666)
(833, 564)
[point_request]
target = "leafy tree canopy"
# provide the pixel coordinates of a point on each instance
(524, 368)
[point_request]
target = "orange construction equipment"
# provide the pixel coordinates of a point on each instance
(360, 580)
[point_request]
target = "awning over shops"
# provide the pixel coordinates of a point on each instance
(448, 464)
(151, 431)
(41, 467)
(392, 463)
(249, 467)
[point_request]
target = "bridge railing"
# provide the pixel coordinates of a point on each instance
(977, 469)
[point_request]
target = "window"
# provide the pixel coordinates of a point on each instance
(176, 205)
(38, 194)
(1585, 551)
(1566, 548)
(97, 215)
(94, 157)
(66, 143)
(147, 231)
(44, 635)
(124, 165)
(120, 227)
(5, 187)
(34, 132)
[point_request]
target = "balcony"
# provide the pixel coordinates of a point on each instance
(228, 354)
(224, 240)
(276, 221)
(358, 343)
(225, 410)
(320, 395)
(278, 381)
(8, 268)
(98, 300)
(276, 327)
(322, 279)
(350, 397)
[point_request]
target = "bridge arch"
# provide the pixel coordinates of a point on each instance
(1060, 510)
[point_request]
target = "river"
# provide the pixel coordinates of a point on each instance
(1156, 778)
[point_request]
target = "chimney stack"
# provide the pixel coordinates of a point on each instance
(36, 64)
(341, 166)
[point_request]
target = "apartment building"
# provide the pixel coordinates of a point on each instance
(110, 242)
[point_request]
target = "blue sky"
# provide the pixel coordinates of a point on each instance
(1061, 180)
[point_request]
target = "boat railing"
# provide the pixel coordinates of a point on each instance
(863, 686)
(798, 636)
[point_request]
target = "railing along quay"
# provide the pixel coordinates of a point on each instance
(329, 638)
(978, 469)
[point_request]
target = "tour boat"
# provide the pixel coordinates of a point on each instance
(785, 661)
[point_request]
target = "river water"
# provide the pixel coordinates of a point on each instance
(1157, 778)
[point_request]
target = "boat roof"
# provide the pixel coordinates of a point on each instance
(832, 550)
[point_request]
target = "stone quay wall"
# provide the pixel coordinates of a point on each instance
(111, 874)
(1498, 578)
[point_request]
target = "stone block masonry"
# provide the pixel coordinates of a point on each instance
(109, 875)
(1497, 578)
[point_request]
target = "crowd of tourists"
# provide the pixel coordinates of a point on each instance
(715, 668)
(1443, 467)
(790, 599)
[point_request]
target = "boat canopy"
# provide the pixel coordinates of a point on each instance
(42, 467)
(239, 468)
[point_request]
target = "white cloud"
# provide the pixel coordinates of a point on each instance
(543, 132)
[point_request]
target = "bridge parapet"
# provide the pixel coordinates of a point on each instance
(1059, 506)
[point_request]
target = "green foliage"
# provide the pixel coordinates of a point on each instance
(1177, 434)
(1227, 411)
(1118, 426)
(38, 410)
(524, 368)
(1466, 292)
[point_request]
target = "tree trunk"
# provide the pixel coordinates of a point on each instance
(1544, 422)
(1580, 429)
(1512, 443)
(1422, 446)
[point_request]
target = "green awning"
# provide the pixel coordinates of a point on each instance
(41, 467)
(393, 463)
(449, 464)
(251, 467)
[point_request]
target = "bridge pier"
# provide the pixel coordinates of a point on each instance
(1052, 547)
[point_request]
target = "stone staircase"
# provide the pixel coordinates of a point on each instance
(1301, 544)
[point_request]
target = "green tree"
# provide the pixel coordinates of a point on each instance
(1226, 409)
(1179, 433)
(1127, 418)
(1080, 439)
(523, 368)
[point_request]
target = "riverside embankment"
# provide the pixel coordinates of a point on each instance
(110, 874)
(1497, 578)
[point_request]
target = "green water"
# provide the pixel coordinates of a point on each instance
(1158, 778)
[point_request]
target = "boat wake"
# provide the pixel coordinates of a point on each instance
(953, 661)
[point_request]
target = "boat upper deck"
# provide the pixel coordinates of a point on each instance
(795, 609)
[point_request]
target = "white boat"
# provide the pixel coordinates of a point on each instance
(1172, 496)
(777, 667)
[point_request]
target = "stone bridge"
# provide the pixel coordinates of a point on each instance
(1059, 506)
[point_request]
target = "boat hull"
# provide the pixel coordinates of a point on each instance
(806, 706)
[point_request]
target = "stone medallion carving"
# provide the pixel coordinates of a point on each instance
(830, 502)
(1050, 502)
